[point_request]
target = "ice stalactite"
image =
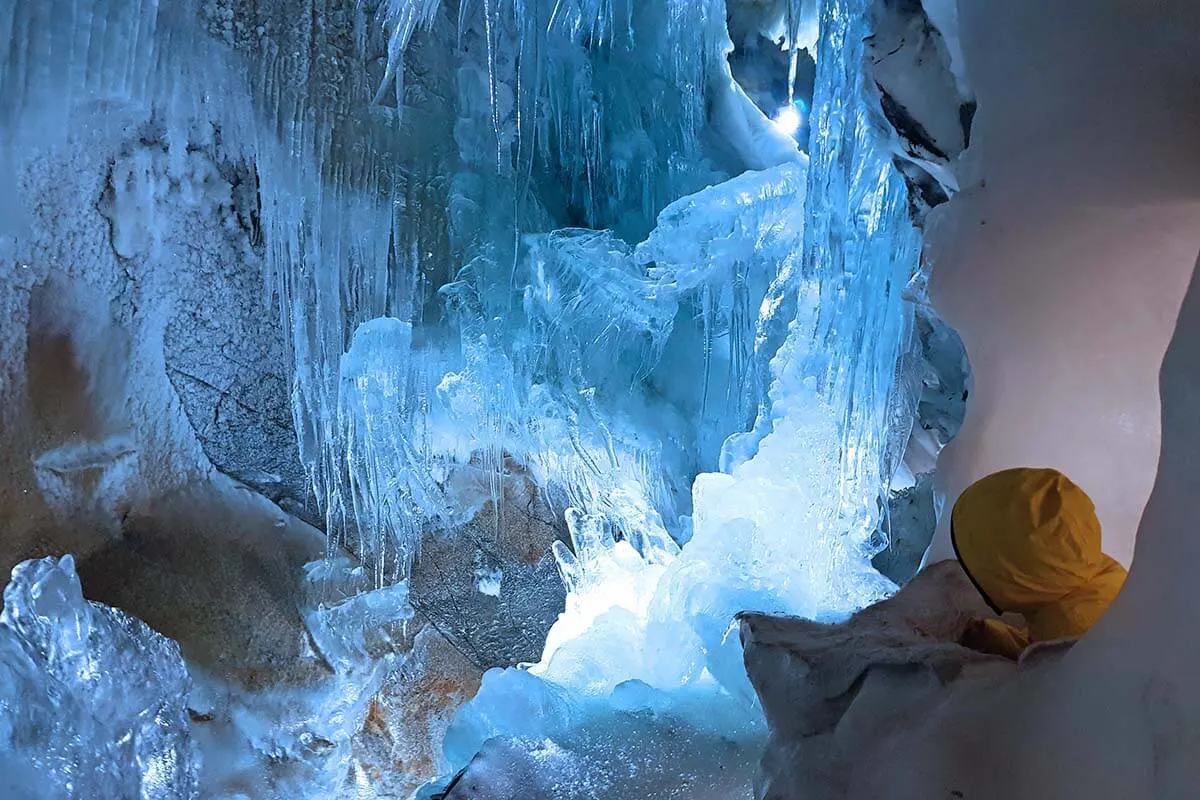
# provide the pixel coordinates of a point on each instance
(526, 351)
(122, 125)
(529, 247)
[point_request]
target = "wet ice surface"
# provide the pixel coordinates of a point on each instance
(636, 741)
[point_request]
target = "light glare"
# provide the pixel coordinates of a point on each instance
(787, 120)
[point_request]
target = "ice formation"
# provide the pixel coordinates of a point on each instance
(93, 700)
(780, 528)
(550, 233)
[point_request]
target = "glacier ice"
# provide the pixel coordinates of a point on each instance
(637, 743)
(556, 129)
(352, 623)
(93, 700)
(529, 231)
(791, 528)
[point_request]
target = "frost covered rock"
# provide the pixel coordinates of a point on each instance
(938, 377)
(400, 745)
(195, 204)
(491, 585)
(909, 525)
(280, 723)
(92, 476)
(928, 112)
(94, 701)
(225, 349)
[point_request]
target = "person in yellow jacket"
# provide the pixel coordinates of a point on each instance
(1030, 541)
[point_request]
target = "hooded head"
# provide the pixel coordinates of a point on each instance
(1030, 540)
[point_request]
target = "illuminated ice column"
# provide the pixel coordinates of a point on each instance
(1064, 260)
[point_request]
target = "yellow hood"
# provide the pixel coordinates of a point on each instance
(1030, 540)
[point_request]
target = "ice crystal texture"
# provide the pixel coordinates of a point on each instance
(92, 699)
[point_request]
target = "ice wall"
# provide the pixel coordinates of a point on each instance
(523, 233)
(1063, 262)
(1063, 265)
(555, 126)
(131, 265)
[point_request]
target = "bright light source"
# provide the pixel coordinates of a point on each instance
(788, 120)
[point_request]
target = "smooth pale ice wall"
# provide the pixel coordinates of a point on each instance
(1118, 717)
(1063, 262)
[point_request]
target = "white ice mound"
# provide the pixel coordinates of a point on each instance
(92, 701)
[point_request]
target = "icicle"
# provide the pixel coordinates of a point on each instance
(706, 316)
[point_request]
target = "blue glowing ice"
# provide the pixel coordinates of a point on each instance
(788, 525)
(529, 252)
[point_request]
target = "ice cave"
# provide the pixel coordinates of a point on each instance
(566, 399)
